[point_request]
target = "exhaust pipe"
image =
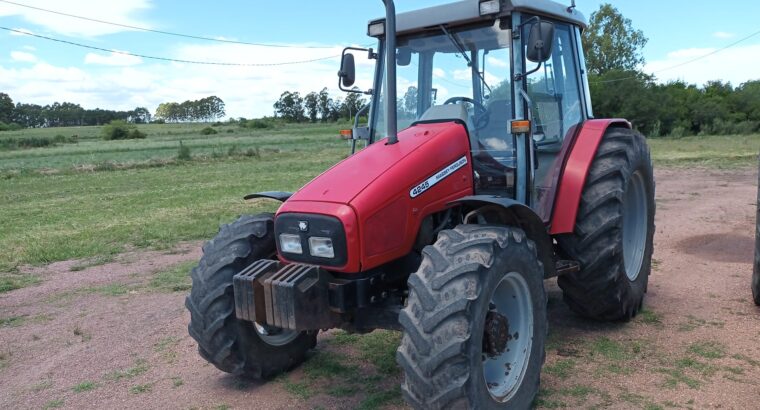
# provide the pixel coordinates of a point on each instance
(391, 127)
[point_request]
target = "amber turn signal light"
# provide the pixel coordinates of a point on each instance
(346, 134)
(520, 126)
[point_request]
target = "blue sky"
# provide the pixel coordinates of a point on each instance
(39, 71)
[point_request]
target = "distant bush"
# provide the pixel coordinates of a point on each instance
(183, 153)
(120, 130)
(230, 131)
(158, 121)
(36, 142)
(10, 127)
(257, 124)
(208, 131)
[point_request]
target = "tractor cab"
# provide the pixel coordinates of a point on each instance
(510, 72)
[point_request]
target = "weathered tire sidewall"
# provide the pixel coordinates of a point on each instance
(601, 290)
(642, 164)
(505, 262)
(236, 347)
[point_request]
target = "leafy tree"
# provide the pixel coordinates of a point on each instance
(410, 101)
(352, 104)
(290, 106)
(6, 108)
(611, 42)
(325, 104)
(311, 103)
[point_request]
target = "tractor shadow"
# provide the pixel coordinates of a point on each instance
(566, 327)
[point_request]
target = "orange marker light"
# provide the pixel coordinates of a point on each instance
(520, 127)
(346, 134)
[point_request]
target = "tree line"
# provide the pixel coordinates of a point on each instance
(63, 114)
(66, 114)
(205, 109)
(619, 88)
(317, 106)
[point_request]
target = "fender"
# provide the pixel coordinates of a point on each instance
(575, 170)
(276, 195)
(526, 219)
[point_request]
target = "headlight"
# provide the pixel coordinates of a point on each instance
(321, 247)
(290, 243)
(376, 29)
(489, 7)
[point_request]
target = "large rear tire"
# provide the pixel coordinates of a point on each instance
(475, 322)
(613, 232)
(232, 345)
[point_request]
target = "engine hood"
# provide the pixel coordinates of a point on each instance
(347, 179)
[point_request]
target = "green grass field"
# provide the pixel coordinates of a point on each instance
(95, 198)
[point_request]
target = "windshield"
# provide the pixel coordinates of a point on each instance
(468, 67)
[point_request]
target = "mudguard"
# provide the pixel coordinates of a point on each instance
(575, 171)
(527, 220)
(276, 195)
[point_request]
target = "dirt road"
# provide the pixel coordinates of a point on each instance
(105, 337)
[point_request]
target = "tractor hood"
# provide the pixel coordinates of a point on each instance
(381, 194)
(347, 179)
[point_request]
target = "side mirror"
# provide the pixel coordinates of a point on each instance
(540, 41)
(347, 71)
(403, 57)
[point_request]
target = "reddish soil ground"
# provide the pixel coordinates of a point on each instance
(696, 346)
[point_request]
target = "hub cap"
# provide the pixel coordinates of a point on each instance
(635, 220)
(507, 337)
(275, 336)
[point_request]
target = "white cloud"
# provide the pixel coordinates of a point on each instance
(121, 12)
(23, 57)
(438, 72)
(112, 59)
(30, 48)
(723, 35)
(497, 62)
(736, 64)
(247, 91)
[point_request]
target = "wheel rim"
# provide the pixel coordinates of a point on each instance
(635, 217)
(275, 336)
(504, 372)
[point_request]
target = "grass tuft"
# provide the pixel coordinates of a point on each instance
(84, 386)
(708, 349)
(175, 279)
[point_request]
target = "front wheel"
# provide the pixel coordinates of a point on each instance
(475, 322)
(233, 345)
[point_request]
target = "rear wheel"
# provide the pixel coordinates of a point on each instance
(475, 322)
(237, 346)
(613, 232)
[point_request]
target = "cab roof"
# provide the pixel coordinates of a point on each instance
(468, 11)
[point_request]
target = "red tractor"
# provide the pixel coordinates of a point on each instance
(498, 179)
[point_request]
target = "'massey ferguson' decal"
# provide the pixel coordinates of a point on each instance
(438, 177)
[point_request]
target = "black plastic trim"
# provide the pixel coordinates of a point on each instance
(276, 195)
(317, 225)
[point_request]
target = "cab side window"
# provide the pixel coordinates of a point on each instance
(555, 92)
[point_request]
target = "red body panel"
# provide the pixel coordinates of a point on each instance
(371, 191)
(574, 173)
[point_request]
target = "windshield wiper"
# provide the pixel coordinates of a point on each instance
(463, 52)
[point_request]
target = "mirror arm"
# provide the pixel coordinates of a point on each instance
(371, 54)
(520, 76)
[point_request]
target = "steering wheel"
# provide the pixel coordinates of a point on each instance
(480, 116)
